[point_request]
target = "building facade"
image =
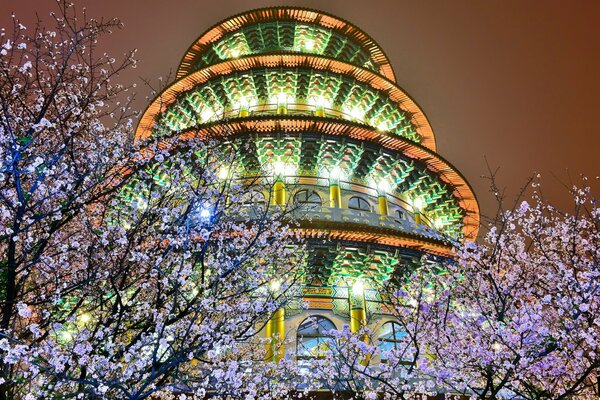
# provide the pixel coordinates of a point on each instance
(316, 103)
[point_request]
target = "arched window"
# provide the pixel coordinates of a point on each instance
(358, 203)
(390, 337)
(313, 337)
(308, 199)
(400, 215)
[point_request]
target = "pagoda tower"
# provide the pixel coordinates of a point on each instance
(315, 101)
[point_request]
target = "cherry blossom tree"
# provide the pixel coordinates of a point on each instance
(517, 314)
(126, 271)
(513, 316)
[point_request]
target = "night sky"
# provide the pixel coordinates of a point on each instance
(516, 82)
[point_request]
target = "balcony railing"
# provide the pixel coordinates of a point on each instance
(315, 213)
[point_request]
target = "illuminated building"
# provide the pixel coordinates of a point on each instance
(317, 101)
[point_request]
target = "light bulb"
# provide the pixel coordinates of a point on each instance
(85, 318)
(418, 203)
(358, 287)
(282, 98)
(278, 168)
(275, 285)
(335, 173)
(207, 114)
(384, 186)
(205, 213)
(357, 114)
(223, 172)
(383, 126)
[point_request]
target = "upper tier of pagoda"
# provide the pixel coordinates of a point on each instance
(295, 72)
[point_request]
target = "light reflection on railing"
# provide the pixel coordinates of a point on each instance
(315, 213)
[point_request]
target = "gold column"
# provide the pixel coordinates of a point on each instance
(358, 315)
(417, 215)
(335, 194)
(279, 192)
(275, 331)
(383, 204)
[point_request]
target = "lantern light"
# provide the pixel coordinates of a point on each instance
(207, 114)
(336, 173)
(358, 287)
(357, 114)
(283, 169)
(223, 173)
(383, 126)
(418, 204)
(384, 186)
(85, 318)
(275, 285)
(205, 213)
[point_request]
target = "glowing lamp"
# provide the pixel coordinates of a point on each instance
(275, 285)
(205, 213)
(358, 287)
(357, 114)
(223, 173)
(282, 98)
(383, 126)
(283, 169)
(384, 186)
(207, 114)
(418, 204)
(335, 173)
(309, 45)
(85, 318)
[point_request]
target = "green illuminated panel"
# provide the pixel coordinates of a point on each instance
(290, 91)
(311, 38)
(286, 36)
(232, 46)
(272, 150)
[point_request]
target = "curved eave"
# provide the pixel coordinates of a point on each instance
(306, 15)
(395, 93)
(361, 233)
(436, 164)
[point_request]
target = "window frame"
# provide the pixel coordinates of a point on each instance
(309, 194)
(359, 200)
(319, 335)
(395, 340)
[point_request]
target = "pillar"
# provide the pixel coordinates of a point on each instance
(279, 192)
(335, 194)
(275, 331)
(417, 215)
(320, 111)
(358, 314)
(383, 204)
